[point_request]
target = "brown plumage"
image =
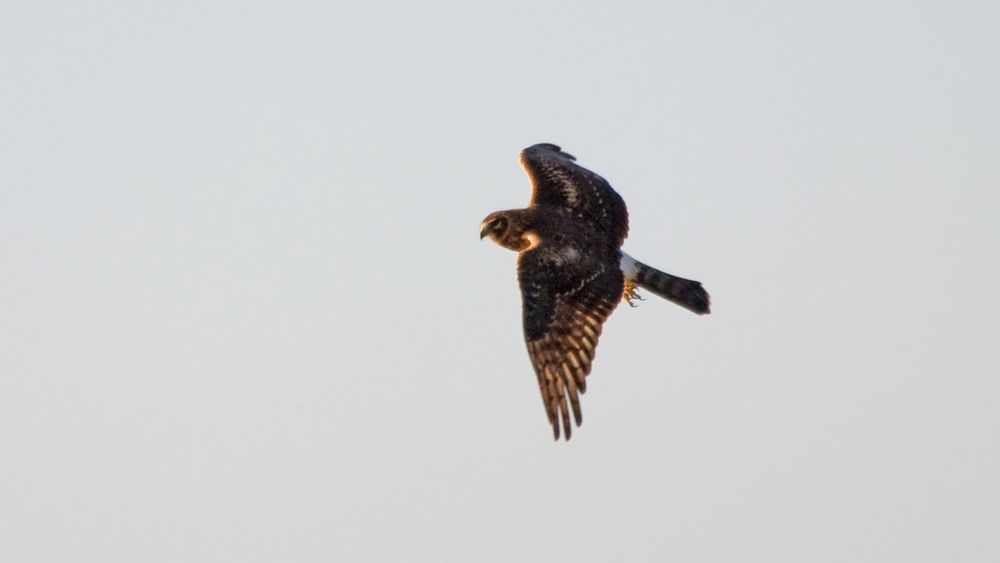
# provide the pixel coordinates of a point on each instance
(572, 273)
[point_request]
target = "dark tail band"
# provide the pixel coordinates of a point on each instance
(686, 293)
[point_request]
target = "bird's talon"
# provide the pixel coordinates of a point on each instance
(630, 293)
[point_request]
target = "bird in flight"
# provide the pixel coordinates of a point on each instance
(573, 272)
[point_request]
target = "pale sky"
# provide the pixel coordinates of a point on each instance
(246, 314)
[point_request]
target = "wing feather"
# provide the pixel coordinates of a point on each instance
(562, 327)
(556, 180)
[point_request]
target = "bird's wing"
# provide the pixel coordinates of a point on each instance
(562, 322)
(556, 180)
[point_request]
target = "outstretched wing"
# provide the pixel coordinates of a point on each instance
(562, 322)
(558, 181)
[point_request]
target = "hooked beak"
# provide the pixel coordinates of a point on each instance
(483, 231)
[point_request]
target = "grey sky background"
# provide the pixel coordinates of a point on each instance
(246, 315)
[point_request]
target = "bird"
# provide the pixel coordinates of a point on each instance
(573, 273)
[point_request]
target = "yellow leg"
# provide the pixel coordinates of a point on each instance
(631, 292)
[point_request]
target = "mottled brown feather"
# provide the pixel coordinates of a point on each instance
(557, 181)
(563, 352)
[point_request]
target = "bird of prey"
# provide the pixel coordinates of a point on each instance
(572, 272)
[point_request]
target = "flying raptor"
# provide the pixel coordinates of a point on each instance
(572, 272)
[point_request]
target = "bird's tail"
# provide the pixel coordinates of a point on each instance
(686, 293)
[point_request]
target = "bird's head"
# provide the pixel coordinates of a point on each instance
(508, 229)
(495, 226)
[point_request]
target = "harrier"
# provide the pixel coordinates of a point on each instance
(572, 272)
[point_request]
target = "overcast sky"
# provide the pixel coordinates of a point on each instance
(245, 314)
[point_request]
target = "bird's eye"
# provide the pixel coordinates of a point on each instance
(499, 225)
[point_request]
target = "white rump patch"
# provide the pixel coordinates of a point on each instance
(629, 266)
